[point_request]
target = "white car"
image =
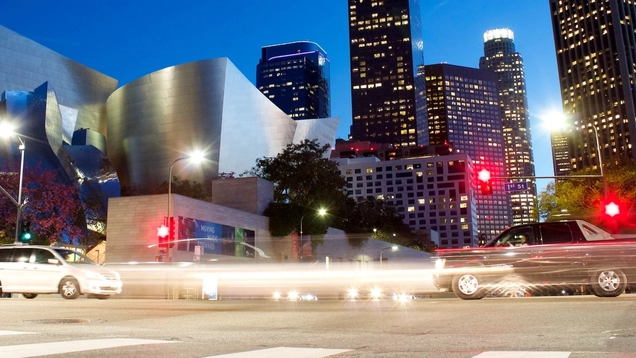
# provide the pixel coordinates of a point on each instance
(32, 270)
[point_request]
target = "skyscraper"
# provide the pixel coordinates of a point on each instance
(595, 46)
(463, 108)
(295, 77)
(500, 56)
(387, 92)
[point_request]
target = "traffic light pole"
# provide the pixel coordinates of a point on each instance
(18, 203)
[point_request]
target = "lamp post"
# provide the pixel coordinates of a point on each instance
(197, 157)
(557, 121)
(600, 160)
(7, 131)
(321, 212)
(392, 248)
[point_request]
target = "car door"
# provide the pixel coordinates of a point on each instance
(560, 257)
(45, 271)
(514, 250)
(15, 276)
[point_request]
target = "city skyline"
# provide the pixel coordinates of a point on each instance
(127, 41)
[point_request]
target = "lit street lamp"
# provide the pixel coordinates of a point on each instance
(196, 157)
(392, 248)
(321, 212)
(557, 121)
(6, 131)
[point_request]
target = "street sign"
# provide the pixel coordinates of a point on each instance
(519, 186)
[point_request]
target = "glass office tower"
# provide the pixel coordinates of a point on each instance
(595, 47)
(500, 56)
(463, 108)
(295, 77)
(388, 96)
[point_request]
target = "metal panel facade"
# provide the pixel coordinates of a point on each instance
(205, 105)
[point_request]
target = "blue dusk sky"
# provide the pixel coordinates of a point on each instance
(127, 39)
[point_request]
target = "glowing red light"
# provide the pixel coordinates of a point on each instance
(484, 175)
(612, 209)
(162, 231)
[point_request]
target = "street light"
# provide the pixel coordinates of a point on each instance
(321, 212)
(6, 131)
(557, 121)
(196, 157)
(392, 248)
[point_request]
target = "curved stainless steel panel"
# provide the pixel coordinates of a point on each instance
(207, 105)
(25, 65)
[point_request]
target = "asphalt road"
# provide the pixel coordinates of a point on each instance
(574, 326)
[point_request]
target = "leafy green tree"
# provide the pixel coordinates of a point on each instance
(584, 198)
(376, 219)
(303, 175)
(305, 180)
(191, 189)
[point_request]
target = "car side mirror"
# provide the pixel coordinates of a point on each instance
(53, 261)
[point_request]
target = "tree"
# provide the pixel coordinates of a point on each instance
(584, 198)
(53, 208)
(191, 189)
(373, 216)
(305, 180)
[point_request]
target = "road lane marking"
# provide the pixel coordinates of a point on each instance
(8, 333)
(290, 352)
(522, 354)
(41, 349)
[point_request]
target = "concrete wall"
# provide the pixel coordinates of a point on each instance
(252, 194)
(133, 223)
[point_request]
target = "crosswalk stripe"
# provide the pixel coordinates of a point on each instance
(8, 333)
(40, 349)
(522, 354)
(291, 352)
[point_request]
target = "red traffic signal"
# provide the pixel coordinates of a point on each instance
(484, 175)
(485, 186)
(612, 209)
(171, 227)
(162, 233)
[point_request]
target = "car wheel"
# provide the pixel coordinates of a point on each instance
(69, 288)
(30, 295)
(608, 282)
(467, 287)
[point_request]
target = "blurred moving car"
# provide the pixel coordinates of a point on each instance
(567, 255)
(33, 270)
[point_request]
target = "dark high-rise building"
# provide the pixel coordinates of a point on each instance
(595, 44)
(500, 56)
(388, 96)
(463, 108)
(295, 77)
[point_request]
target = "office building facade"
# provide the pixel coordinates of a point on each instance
(595, 47)
(386, 56)
(463, 109)
(295, 77)
(431, 193)
(501, 57)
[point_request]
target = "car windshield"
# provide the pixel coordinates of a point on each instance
(73, 257)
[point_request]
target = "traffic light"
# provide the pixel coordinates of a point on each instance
(171, 236)
(612, 209)
(25, 232)
(162, 233)
(485, 186)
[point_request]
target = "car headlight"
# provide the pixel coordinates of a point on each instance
(440, 263)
